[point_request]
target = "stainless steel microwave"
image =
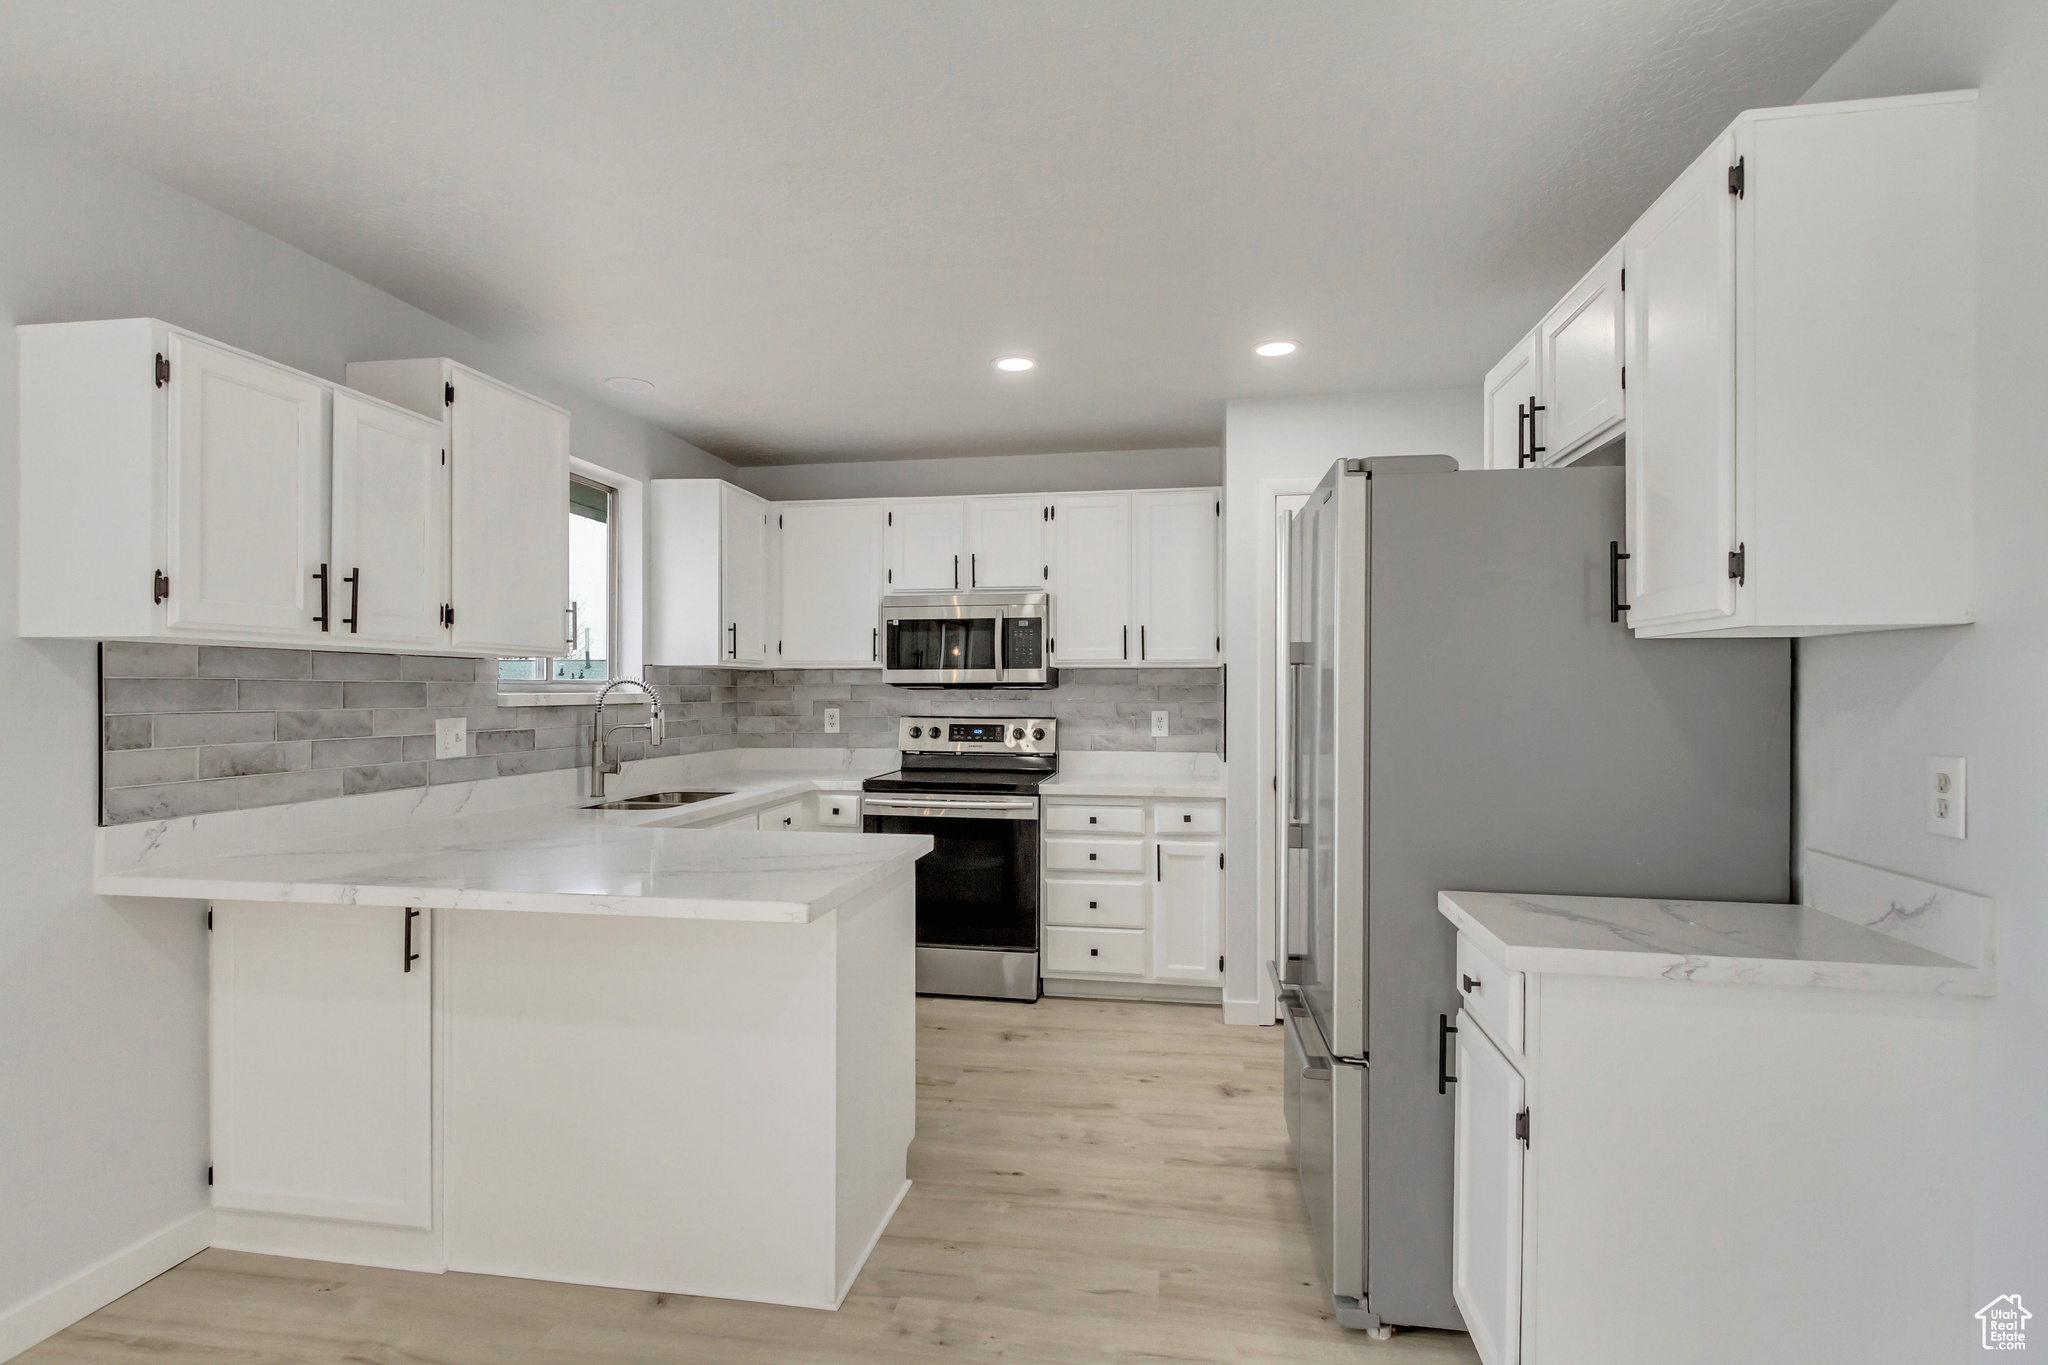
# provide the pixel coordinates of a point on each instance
(968, 639)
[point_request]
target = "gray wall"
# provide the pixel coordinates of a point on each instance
(102, 1002)
(1873, 707)
(1195, 467)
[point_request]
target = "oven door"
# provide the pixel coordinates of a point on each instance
(978, 887)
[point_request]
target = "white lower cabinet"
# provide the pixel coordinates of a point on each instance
(1129, 896)
(787, 817)
(322, 1048)
(1486, 1207)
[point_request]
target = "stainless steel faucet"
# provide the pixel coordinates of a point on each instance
(600, 765)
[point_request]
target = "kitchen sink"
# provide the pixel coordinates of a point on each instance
(660, 800)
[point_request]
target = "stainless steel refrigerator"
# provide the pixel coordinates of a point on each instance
(1467, 712)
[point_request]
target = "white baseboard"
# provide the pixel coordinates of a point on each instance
(1247, 1012)
(93, 1288)
(875, 1240)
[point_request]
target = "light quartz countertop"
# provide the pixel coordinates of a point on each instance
(1702, 941)
(551, 858)
(1162, 777)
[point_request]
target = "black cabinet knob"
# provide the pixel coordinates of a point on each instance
(1471, 983)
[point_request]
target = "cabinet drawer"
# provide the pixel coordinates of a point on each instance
(1101, 905)
(839, 810)
(1187, 817)
(1094, 819)
(1492, 994)
(1093, 952)
(1094, 855)
(787, 816)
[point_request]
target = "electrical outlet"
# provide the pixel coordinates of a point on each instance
(1947, 791)
(831, 720)
(451, 737)
(1158, 724)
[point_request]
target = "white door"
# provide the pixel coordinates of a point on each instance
(248, 492)
(1176, 576)
(1580, 350)
(1486, 1197)
(831, 582)
(1090, 550)
(1187, 911)
(1681, 373)
(389, 573)
(1511, 387)
(322, 1062)
(743, 575)
(927, 546)
(508, 458)
(1006, 542)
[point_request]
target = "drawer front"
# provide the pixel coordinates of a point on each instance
(1094, 952)
(788, 815)
(839, 810)
(1096, 905)
(1094, 855)
(1492, 995)
(1188, 817)
(1094, 819)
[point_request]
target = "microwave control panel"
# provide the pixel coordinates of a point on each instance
(1024, 642)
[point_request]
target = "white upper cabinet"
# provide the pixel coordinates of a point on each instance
(744, 574)
(508, 465)
(709, 571)
(248, 491)
(1178, 551)
(1801, 367)
(1579, 355)
(1510, 390)
(1006, 542)
(1681, 440)
(830, 584)
(387, 579)
(927, 545)
(1093, 563)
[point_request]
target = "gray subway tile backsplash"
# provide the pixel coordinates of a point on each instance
(193, 729)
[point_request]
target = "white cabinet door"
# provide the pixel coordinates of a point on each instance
(1580, 356)
(388, 578)
(830, 582)
(1006, 542)
(1486, 1200)
(1187, 911)
(1091, 558)
(927, 546)
(508, 459)
(1681, 360)
(1176, 573)
(322, 1062)
(248, 489)
(790, 816)
(1511, 388)
(743, 575)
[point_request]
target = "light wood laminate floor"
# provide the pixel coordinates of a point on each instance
(1094, 1181)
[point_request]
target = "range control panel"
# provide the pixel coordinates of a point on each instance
(980, 735)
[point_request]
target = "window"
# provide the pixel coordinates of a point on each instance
(593, 577)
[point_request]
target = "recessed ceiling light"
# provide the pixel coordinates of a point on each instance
(1016, 364)
(625, 383)
(1276, 348)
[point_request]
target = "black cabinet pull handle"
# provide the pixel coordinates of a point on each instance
(1091, 857)
(1141, 644)
(1127, 642)
(956, 573)
(321, 579)
(355, 600)
(1470, 983)
(1443, 1053)
(1522, 455)
(735, 629)
(973, 571)
(1615, 606)
(1534, 408)
(1158, 863)
(875, 644)
(410, 956)
(1091, 819)
(1095, 952)
(1092, 905)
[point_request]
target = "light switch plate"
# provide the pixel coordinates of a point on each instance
(831, 720)
(451, 737)
(1158, 724)
(1947, 792)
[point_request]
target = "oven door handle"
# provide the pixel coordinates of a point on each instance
(948, 807)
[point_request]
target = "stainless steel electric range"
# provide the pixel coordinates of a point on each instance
(972, 785)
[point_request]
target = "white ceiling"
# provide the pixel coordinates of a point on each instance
(813, 225)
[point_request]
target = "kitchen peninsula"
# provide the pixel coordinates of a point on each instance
(554, 1042)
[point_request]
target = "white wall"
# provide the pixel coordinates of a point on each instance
(1274, 445)
(1872, 707)
(102, 1027)
(1078, 472)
